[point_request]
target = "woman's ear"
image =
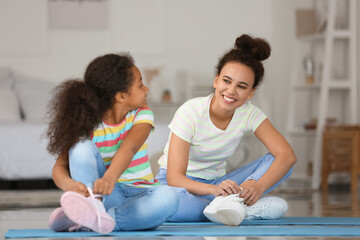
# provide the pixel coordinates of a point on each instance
(215, 81)
(251, 94)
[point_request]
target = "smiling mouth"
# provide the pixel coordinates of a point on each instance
(228, 100)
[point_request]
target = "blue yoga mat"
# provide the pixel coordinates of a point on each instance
(198, 231)
(287, 226)
(328, 221)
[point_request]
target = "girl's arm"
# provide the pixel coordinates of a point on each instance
(284, 160)
(178, 158)
(62, 179)
(131, 144)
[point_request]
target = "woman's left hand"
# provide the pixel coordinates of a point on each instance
(252, 192)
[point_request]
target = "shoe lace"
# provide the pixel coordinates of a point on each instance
(75, 228)
(92, 196)
(237, 198)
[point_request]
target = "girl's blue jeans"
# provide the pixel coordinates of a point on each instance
(191, 206)
(132, 208)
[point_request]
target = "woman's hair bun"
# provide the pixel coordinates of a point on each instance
(257, 48)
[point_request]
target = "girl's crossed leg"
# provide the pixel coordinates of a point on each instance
(132, 208)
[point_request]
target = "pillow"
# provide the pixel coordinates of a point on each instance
(9, 106)
(34, 95)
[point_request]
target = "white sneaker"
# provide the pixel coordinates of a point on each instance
(270, 207)
(229, 210)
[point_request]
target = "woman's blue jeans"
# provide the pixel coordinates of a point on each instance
(191, 206)
(132, 208)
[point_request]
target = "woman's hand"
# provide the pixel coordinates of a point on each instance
(251, 192)
(104, 186)
(72, 185)
(225, 188)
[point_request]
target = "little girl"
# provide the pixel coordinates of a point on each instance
(98, 127)
(205, 131)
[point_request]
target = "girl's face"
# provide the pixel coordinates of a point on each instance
(136, 95)
(234, 86)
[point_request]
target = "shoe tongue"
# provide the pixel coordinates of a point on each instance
(98, 204)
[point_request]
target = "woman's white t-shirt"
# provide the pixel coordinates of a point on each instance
(209, 145)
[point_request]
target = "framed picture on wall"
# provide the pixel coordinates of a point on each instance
(78, 14)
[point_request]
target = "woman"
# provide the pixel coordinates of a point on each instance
(206, 131)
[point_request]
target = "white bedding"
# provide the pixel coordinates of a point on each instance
(23, 152)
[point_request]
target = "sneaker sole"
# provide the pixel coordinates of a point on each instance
(78, 209)
(210, 213)
(221, 210)
(229, 217)
(211, 209)
(57, 214)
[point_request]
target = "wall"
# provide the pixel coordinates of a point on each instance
(178, 36)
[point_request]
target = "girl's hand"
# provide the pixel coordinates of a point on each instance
(252, 192)
(72, 185)
(226, 187)
(104, 186)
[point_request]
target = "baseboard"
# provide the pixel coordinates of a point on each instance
(27, 184)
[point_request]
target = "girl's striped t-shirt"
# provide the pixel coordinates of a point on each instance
(209, 145)
(108, 138)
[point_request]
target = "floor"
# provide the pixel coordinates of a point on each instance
(31, 209)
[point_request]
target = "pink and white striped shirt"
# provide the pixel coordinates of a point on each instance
(108, 138)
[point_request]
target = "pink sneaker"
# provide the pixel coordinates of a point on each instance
(88, 212)
(59, 222)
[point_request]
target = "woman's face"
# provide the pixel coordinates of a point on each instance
(136, 95)
(234, 86)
